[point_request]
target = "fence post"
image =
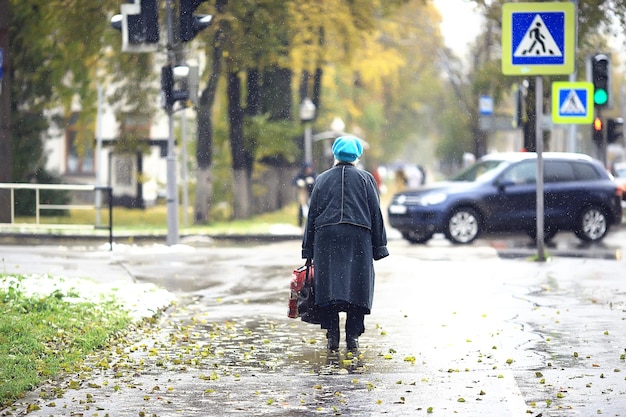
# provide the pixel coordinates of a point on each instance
(110, 197)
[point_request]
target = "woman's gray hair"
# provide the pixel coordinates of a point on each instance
(355, 162)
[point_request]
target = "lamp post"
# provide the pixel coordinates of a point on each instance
(307, 114)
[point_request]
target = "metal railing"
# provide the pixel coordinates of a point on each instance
(42, 206)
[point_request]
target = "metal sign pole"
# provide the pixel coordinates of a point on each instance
(539, 39)
(539, 143)
(572, 78)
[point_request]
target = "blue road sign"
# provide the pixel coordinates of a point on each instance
(538, 38)
(485, 105)
(572, 102)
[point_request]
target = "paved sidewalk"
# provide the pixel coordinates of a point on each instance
(473, 336)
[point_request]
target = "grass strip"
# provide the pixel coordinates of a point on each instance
(154, 219)
(43, 336)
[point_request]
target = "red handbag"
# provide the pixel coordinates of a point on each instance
(302, 296)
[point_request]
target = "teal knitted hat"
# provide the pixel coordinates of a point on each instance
(347, 148)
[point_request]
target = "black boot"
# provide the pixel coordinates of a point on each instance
(352, 342)
(354, 327)
(333, 339)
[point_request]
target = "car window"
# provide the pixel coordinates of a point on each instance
(558, 171)
(482, 170)
(523, 173)
(585, 172)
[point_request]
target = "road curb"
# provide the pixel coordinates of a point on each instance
(65, 239)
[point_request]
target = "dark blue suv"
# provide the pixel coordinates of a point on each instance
(499, 193)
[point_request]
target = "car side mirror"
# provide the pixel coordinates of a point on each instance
(504, 183)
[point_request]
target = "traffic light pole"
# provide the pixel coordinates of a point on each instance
(139, 25)
(172, 186)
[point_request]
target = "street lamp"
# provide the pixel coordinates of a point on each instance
(337, 125)
(307, 114)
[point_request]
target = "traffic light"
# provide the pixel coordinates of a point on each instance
(601, 78)
(190, 24)
(614, 129)
(139, 23)
(598, 134)
(169, 96)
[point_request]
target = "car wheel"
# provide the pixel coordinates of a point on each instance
(414, 236)
(593, 225)
(463, 226)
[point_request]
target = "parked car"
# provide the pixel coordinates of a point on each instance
(499, 193)
(619, 172)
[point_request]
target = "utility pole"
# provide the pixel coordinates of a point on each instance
(6, 167)
(186, 28)
(172, 186)
(140, 33)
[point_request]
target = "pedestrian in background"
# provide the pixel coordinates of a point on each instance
(401, 180)
(415, 176)
(304, 181)
(344, 234)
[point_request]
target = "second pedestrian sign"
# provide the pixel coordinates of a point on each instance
(572, 102)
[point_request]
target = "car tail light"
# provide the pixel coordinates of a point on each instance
(619, 192)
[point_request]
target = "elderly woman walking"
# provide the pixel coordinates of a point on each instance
(344, 234)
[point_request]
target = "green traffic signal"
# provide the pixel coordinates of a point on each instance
(601, 78)
(600, 97)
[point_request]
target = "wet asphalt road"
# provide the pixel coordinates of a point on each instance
(454, 331)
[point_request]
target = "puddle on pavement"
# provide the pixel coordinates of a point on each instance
(190, 335)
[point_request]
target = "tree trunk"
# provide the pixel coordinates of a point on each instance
(241, 188)
(303, 89)
(253, 103)
(204, 147)
(276, 93)
(241, 191)
(317, 89)
(274, 189)
(204, 173)
(480, 142)
(6, 167)
(204, 191)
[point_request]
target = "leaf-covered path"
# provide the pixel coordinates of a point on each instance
(476, 335)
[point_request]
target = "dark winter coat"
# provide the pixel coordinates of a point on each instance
(344, 234)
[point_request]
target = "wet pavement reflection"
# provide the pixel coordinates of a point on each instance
(454, 330)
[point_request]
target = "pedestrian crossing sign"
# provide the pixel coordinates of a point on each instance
(538, 38)
(572, 102)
